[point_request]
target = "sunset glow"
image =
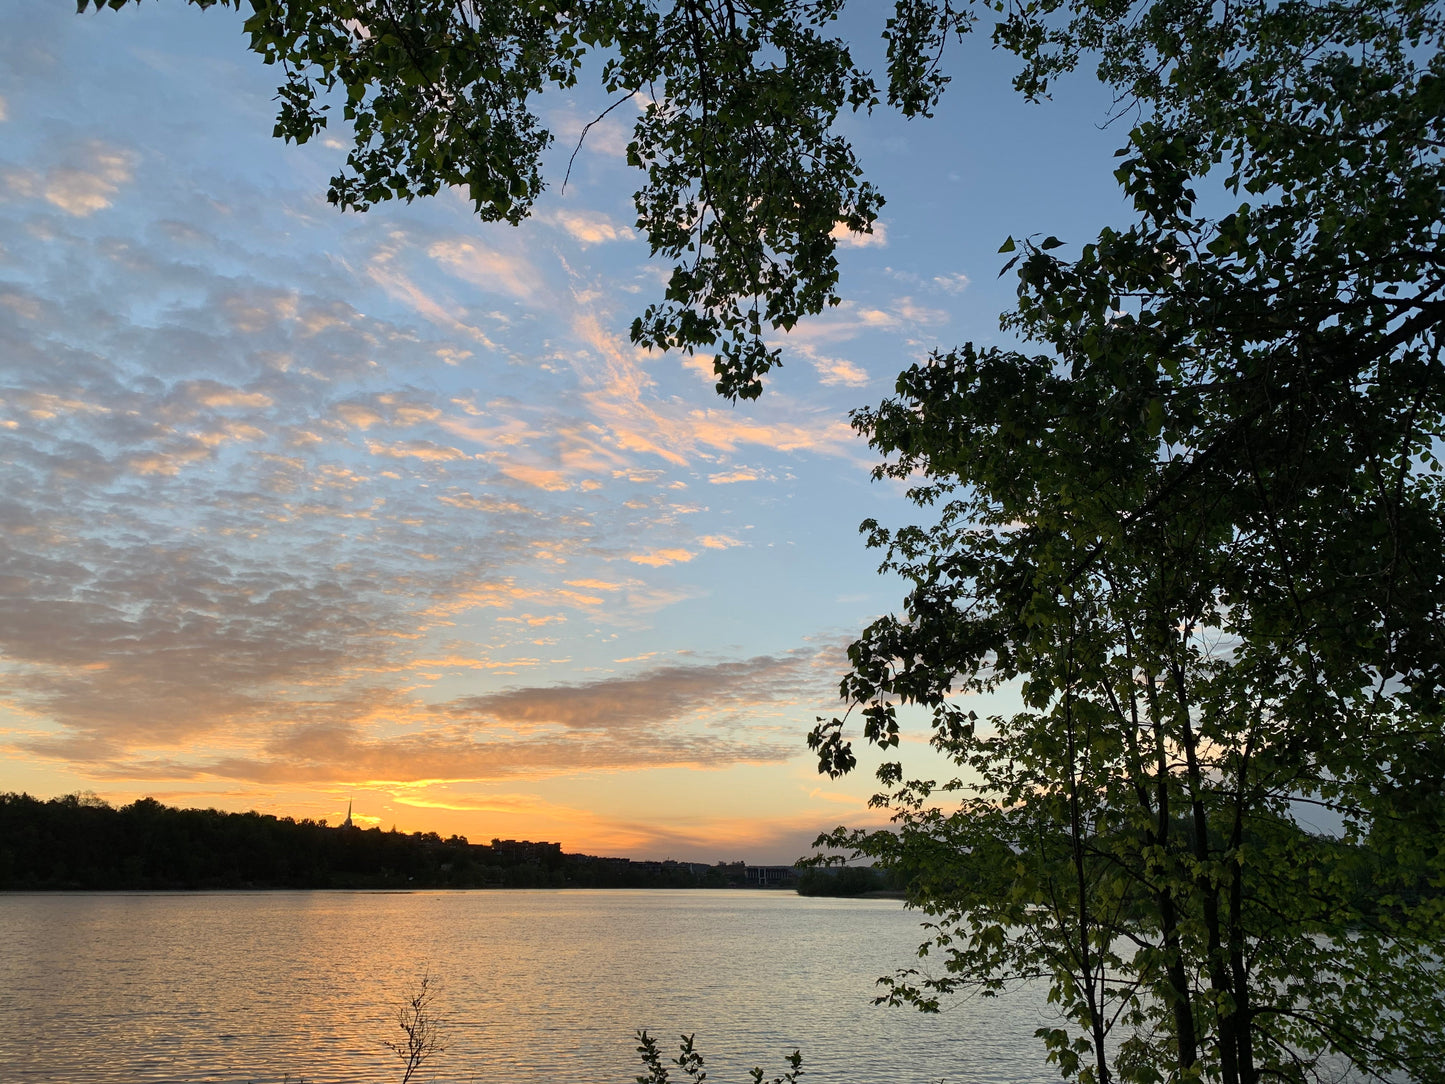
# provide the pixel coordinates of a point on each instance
(302, 508)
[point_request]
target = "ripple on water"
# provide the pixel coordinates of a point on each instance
(533, 987)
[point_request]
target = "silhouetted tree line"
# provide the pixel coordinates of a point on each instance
(82, 842)
(847, 881)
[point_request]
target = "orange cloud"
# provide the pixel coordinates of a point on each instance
(595, 585)
(553, 481)
(839, 371)
(488, 268)
(424, 450)
(382, 270)
(82, 186)
(592, 228)
(658, 558)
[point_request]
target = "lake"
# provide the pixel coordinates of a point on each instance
(532, 988)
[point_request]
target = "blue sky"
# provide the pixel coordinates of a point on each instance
(301, 507)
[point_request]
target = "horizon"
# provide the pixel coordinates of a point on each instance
(90, 798)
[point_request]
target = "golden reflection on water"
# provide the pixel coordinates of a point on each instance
(533, 988)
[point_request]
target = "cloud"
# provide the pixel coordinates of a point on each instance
(170, 463)
(836, 371)
(877, 238)
(426, 450)
(85, 181)
(911, 312)
(606, 136)
(952, 283)
(643, 599)
(618, 393)
(338, 753)
(820, 432)
(384, 269)
(217, 396)
(658, 558)
(534, 620)
(591, 227)
(168, 645)
(488, 268)
(542, 477)
(199, 552)
(387, 408)
(850, 320)
(44, 406)
(274, 498)
(703, 366)
(357, 415)
(659, 695)
(840, 324)
(595, 585)
(647, 720)
(742, 474)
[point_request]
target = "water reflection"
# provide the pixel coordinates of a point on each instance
(533, 987)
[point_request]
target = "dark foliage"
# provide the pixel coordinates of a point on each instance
(845, 881)
(79, 842)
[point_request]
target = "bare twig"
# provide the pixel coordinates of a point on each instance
(422, 1029)
(587, 128)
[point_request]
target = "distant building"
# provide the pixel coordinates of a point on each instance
(772, 876)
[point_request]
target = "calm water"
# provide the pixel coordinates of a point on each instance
(534, 988)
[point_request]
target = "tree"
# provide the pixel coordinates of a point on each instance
(746, 178)
(1201, 526)
(1202, 529)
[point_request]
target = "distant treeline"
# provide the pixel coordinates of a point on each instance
(81, 842)
(847, 881)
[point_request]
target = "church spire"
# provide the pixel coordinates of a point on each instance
(347, 823)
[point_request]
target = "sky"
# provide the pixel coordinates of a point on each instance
(301, 508)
